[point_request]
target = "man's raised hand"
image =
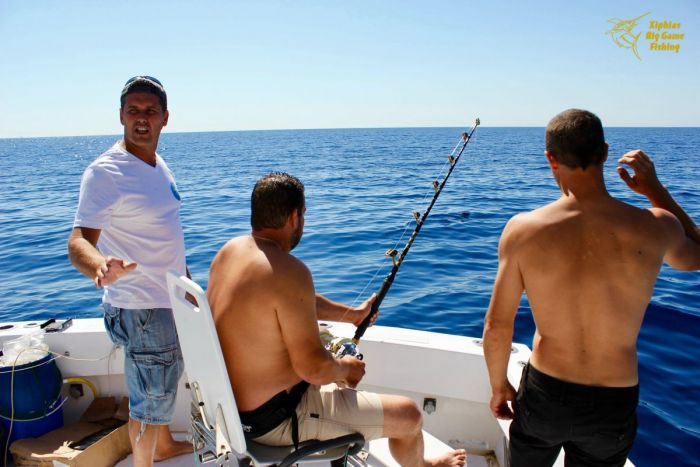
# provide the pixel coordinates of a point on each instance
(644, 181)
(112, 270)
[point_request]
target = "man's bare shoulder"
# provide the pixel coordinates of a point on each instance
(235, 242)
(664, 217)
(517, 229)
(532, 227)
(523, 220)
(643, 212)
(288, 266)
(245, 248)
(650, 221)
(524, 223)
(538, 215)
(229, 249)
(668, 224)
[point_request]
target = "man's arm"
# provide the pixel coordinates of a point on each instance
(328, 310)
(681, 231)
(296, 313)
(86, 258)
(498, 324)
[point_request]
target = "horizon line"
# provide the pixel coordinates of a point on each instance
(329, 128)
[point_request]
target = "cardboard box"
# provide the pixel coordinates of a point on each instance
(55, 446)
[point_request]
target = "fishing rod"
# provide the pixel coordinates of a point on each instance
(346, 347)
(420, 220)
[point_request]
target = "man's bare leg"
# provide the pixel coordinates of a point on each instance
(167, 447)
(403, 423)
(143, 442)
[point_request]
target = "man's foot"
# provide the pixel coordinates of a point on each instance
(167, 447)
(171, 449)
(456, 458)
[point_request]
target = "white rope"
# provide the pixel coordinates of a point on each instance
(12, 386)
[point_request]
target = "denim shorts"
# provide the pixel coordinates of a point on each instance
(152, 360)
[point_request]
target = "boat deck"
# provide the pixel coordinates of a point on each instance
(444, 373)
(185, 460)
(377, 456)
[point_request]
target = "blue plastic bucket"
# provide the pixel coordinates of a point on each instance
(32, 428)
(37, 386)
(34, 389)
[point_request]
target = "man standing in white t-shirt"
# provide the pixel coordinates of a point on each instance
(126, 236)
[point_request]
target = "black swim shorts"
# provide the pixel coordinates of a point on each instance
(595, 425)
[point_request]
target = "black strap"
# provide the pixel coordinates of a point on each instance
(295, 430)
(272, 413)
(293, 399)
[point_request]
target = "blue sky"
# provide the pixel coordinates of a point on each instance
(234, 65)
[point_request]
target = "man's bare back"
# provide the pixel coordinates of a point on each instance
(589, 268)
(588, 264)
(248, 280)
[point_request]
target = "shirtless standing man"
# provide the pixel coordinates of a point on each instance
(588, 264)
(266, 313)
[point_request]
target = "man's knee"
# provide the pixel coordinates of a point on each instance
(412, 414)
(401, 415)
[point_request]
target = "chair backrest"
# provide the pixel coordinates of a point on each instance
(201, 351)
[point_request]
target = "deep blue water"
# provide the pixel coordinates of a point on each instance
(362, 185)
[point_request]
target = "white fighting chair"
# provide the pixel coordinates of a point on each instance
(215, 420)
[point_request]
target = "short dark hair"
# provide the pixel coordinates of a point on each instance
(274, 198)
(575, 138)
(147, 84)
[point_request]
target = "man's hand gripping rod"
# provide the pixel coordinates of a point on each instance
(349, 347)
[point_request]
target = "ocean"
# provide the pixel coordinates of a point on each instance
(362, 186)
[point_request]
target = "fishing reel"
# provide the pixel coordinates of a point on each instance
(342, 346)
(339, 347)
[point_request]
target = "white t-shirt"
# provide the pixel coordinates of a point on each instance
(137, 209)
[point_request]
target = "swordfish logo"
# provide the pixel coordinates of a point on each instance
(623, 33)
(660, 36)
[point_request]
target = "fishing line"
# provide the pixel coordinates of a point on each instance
(350, 347)
(380, 262)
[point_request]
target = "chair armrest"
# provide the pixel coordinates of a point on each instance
(354, 441)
